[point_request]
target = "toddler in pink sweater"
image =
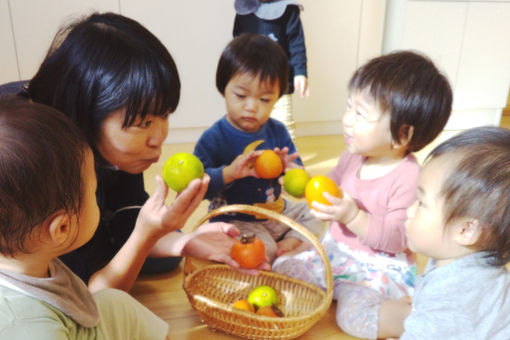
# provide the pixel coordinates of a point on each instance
(397, 104)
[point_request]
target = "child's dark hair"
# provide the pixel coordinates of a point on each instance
(255, 54)
(103, 63)
(41, 156)
(412, 90)
(478, 185)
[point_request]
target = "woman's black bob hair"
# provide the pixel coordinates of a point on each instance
(103, 63)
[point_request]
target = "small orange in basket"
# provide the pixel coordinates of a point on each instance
(270, 311)
(249, 251)
(317, 185)
(243, 305)
(268, 165)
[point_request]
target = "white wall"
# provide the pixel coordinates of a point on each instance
(464, 37)
(339, 36)
(469, 40)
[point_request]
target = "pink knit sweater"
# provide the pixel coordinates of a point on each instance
(385, 199)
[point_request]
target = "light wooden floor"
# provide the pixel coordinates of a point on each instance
(163, 294)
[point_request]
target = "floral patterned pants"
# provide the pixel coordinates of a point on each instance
(361, 282)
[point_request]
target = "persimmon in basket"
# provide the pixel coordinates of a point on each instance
(249, 251)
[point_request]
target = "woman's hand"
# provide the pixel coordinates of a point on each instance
(213, 242)
(156, 218)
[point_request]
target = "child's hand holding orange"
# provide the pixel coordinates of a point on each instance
(241, 167)
(343, 210)
(287, 160)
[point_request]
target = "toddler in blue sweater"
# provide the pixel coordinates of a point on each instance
(252, 74)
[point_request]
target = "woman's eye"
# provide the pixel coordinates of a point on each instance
(420, 203)
(145, 124)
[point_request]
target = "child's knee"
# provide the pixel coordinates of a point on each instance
(357, 311)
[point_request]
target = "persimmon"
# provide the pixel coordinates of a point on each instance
(270, 311)
(249, 251)
(268, 165)
(317, 185)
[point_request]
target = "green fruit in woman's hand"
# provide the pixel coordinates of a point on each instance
(180, 169)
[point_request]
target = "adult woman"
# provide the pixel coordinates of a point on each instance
(118, 83)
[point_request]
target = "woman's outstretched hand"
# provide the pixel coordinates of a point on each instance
(157, 218)
(213, 242)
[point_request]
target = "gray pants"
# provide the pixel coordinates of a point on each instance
(270, 231)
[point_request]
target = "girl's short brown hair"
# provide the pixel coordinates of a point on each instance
(411, 89)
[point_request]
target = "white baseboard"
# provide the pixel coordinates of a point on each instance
(178, 135)
(459, 120)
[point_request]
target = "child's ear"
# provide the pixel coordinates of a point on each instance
(58, 226)
(468, 232)
(405, 135)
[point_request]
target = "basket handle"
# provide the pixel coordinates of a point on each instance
(254, 210)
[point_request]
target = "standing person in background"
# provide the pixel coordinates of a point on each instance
(279, 20)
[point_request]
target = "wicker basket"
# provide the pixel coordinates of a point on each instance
(212, 288)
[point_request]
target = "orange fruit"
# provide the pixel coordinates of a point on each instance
(263, 296)
(249, 251)
(317, 185)
(270, 311)
(243, 305)
(268, 165)
(294, 182)
(180, 169)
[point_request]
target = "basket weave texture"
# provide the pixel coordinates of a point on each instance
(213, 288)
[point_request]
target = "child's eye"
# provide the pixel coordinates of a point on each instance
(238, 95)
(420, 203)
(265, 100)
